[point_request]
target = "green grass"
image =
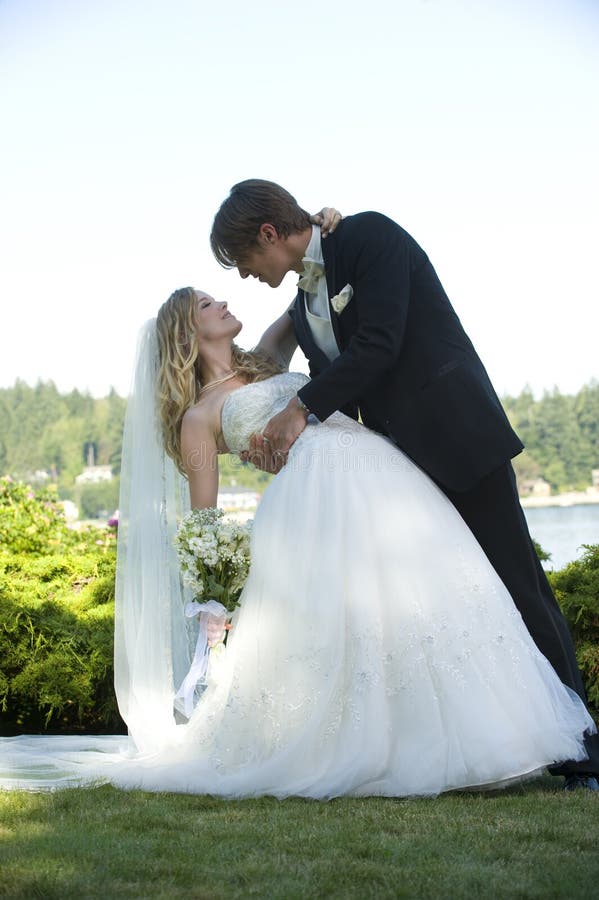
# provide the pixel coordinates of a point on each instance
(533, 841)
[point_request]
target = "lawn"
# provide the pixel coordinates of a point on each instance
(532, 841)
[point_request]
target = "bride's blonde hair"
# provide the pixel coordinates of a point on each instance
(178, 380)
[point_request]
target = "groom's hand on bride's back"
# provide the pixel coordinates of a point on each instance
(268, 451)
(260, 455)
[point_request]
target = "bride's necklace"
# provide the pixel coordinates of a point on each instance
(217, 381)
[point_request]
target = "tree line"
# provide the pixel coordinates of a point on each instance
(561, 436)
(43, 430)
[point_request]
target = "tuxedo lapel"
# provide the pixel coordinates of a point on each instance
(328, 253)
(335, 324)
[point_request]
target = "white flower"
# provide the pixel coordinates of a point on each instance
(340, 300)
(214, 555)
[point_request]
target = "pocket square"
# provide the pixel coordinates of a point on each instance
(340, 300)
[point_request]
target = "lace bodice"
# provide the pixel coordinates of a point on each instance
(248, 409)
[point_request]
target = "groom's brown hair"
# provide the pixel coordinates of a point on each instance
(249, 205)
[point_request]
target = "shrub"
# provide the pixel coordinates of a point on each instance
(57, 614)
(577, 591)
(56, 642)
(31, 521)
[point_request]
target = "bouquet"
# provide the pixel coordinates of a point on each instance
(214, 556)
(215, 561)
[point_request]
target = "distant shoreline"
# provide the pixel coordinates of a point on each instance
(571, 498)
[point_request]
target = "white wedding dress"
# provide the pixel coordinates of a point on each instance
(375, 651)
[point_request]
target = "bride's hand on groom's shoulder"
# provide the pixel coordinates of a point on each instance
(328, 218)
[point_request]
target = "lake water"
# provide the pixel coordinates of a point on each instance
(560, 530)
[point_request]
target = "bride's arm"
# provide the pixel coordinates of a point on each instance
(200, 458)
(279, 341)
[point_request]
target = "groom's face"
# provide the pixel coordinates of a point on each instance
(268, 260)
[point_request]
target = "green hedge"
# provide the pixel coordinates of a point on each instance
(577, 590)
(56, 617)
(33, 521)
(56, 640)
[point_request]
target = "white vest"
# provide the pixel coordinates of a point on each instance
(318, 309)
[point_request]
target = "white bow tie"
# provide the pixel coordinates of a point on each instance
(313, 272)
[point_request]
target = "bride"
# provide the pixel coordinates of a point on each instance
(375, 650)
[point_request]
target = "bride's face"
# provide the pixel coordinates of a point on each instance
(213, 320)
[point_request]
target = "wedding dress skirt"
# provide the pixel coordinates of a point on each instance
(375, 651)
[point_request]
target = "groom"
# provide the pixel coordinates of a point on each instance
(383, 340)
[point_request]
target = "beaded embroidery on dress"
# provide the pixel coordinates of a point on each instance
(375, 651)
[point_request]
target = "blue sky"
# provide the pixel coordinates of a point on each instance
(473, 123)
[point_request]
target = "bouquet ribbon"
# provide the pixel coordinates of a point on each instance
(199, 663)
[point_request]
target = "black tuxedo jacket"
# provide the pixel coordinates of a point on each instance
(406, 362)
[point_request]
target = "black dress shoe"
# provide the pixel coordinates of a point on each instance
(581, 783)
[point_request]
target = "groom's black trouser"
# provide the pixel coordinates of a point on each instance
(493, 513)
